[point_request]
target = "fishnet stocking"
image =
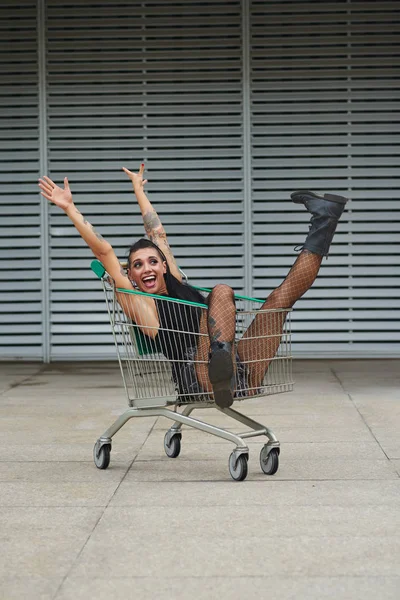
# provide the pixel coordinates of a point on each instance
(255, 346)
(220, 323)
(221, 314)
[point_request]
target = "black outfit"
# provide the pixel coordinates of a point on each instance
(177, 340)
(179, 327)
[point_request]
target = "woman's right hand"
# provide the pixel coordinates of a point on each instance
(136, 178)
(60, 197)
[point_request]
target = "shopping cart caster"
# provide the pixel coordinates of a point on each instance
(101, 455)
(269, 460)
(238, 466)
(172, 444)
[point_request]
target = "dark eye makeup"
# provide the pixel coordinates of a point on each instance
(138, 263)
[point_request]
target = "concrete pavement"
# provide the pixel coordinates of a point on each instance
(327, 525)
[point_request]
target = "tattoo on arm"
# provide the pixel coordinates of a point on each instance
(168, 247)
(151, 221)
(153, 236)
(98, 235)
(85, 222)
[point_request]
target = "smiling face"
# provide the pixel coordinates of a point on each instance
(146, 270)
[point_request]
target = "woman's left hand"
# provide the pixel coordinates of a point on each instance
(136, 178)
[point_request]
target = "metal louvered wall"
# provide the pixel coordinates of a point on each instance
(153, 81)
(325, 115)
(231, 105)
(20, 208)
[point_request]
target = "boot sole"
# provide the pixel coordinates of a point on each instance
(330, 197)
(220, 372)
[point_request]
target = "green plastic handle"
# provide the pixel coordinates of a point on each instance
(97, 268)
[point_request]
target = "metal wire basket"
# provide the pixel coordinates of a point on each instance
(152, 377)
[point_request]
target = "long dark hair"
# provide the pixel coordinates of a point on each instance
(175, 288)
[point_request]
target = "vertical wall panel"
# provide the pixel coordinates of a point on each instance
(20, 242)
(153, 81)
(325, 90)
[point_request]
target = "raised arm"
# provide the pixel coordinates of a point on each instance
(142, 310)
(151, 221)
(102, 249)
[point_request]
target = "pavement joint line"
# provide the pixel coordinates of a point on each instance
(27, 378)
(361, 416)
(256, 480)
(183, 576)
(101, 515)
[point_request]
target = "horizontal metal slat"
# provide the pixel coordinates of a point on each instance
(10, 311)
(325, 182)
(367, 316)
(339, 350)
(315, 305)
(183, 240)
(329, 273)
(160, 31)
(108, 77)
(319, 84)
(27, 328)
(322, 293)
(174, 20)
(178, 68)
(287, 106)
(12, 352)
(16, 285)
(146, 9)
(62, 353)
(259, 7)
(121, 101)
(84, 170)
(372, 336)
(359, 328)
(322, 72)
(303, 28)
(124, 44)
(144, 56)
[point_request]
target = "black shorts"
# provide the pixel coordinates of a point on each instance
(190, 389)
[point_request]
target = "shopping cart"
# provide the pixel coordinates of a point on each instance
(157, 384)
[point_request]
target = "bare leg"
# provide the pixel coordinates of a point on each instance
(261, 340)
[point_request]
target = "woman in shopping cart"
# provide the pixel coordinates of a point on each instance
(152, 268)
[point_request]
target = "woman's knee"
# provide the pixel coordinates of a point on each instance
(222, 290)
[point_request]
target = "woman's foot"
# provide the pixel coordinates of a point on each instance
(325, 211)
(301, 197)
(221, 373)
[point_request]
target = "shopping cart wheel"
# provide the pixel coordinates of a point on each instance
(238, 466)
(269, 461)
(172, 444)
(102, 456)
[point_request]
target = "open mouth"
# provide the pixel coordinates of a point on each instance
(149, 282)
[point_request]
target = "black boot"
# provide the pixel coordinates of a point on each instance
(221, 373)
(326, 211)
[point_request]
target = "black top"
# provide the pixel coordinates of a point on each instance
(177, 337)
(179, 326)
